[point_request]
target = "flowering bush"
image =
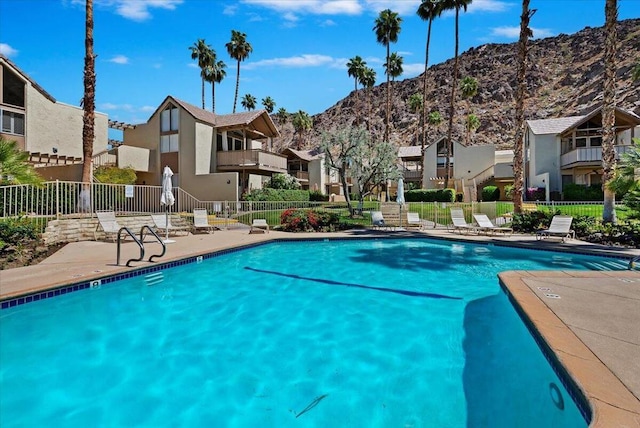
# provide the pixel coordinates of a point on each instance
(536, 194)
(303, 220)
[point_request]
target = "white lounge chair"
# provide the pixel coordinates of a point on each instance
(413, 220)
(163, 224)
(560, 227)
(259, 225)
(458, 221)
(201, 220)
(377, 220)
(108, 223)
(485, 225)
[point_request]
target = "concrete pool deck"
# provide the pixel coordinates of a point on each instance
(590, 319)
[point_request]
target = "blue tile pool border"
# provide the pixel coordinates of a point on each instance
(30, 297)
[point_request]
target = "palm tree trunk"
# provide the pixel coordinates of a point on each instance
(518, 148)
(424, 98)
(213, 97)
(386, 128)
(235, 98)
(357, 110)
(608, 111)
(88, 119)
(454, 84)
(203, 93)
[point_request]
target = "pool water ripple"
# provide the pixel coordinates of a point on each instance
(340, 334)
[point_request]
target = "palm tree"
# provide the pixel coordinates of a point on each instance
(471, 124)
(608, 110)
(14, 165)
(415, 106)
(448, 5)
(387, 28)
(248, 102)
(355, 67)
(238, 49)
(428, 10)
(518, 143)
(282, 115)
(626, 180)
(205, 56)
(469, 89)
(368, 81)
(268, 104)
(215, 73)
(302, 123)
(88, 105)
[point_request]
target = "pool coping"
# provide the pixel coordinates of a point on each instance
(613, 405)
(610, 401)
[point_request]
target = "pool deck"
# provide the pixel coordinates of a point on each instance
(590, 319)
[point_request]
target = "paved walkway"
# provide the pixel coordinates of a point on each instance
(590, 322)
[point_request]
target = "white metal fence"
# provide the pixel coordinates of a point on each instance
(61, 199)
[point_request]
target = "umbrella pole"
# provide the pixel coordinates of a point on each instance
(166, 223)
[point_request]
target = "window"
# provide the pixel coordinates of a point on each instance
(169, 119)
(12, 123)
(169, 143)
(581, 142)
(595, 141)
(12, 88)
(219, 142)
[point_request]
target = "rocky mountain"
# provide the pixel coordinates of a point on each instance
(564, 78)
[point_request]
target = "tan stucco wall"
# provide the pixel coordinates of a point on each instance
(147, 136)
(471, 161)
(317, 177)
(59, 125)
(134, 157)
(214, 187)
(203, 148)
(430, 166)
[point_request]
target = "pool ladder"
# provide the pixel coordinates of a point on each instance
(140, 243)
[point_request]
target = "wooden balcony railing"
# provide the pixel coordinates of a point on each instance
(589, 154)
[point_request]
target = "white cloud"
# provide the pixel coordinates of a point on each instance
(301, 61)
(139, 10)
(108, 106)
(328, 23)
(311, 7)
(192, 65)
(147, 108)
(402, 7)
(230, 10)
(489, 6)
(412, 70)
(7, 50)
(119, 59)
(514, 32)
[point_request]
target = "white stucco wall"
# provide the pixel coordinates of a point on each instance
(59, 125)
(137, 158)
(430, 166)
(317, 177)
(472, 160)
(545, 158)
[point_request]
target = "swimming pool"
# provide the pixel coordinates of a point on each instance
(409, 333)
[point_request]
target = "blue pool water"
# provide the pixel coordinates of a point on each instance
(387, 333)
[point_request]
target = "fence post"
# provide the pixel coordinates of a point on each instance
(57, 199)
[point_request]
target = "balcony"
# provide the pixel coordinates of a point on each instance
(252, 161)
(300, 175)
(412, 175)
(589, 155)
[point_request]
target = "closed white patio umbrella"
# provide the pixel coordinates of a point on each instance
(167, 199)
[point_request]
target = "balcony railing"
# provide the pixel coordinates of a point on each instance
(300, 175)
(412, 175)
(589, 154)
(257, 160)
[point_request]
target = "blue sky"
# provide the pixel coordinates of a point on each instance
(300, 47)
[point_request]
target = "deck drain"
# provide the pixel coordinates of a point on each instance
(552, 296)
(544, 289)
(626, 280)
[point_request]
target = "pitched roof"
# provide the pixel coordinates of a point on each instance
(307, 155)
(256, 120)
(409, 151)
(553, 126)
(26, 77)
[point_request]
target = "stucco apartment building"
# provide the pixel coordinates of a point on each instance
(50, 131)
(569, 149)
(213, 157)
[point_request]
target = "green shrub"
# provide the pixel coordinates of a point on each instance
(430, 195)
(16, 230)
(282, 182)
(578, 192)
(317, 196)
(529, 222)
(305, 220)
(115, 175)
(508, 192)
(269, 194)
(490, 193)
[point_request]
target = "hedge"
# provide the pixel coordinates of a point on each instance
(430, 195)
